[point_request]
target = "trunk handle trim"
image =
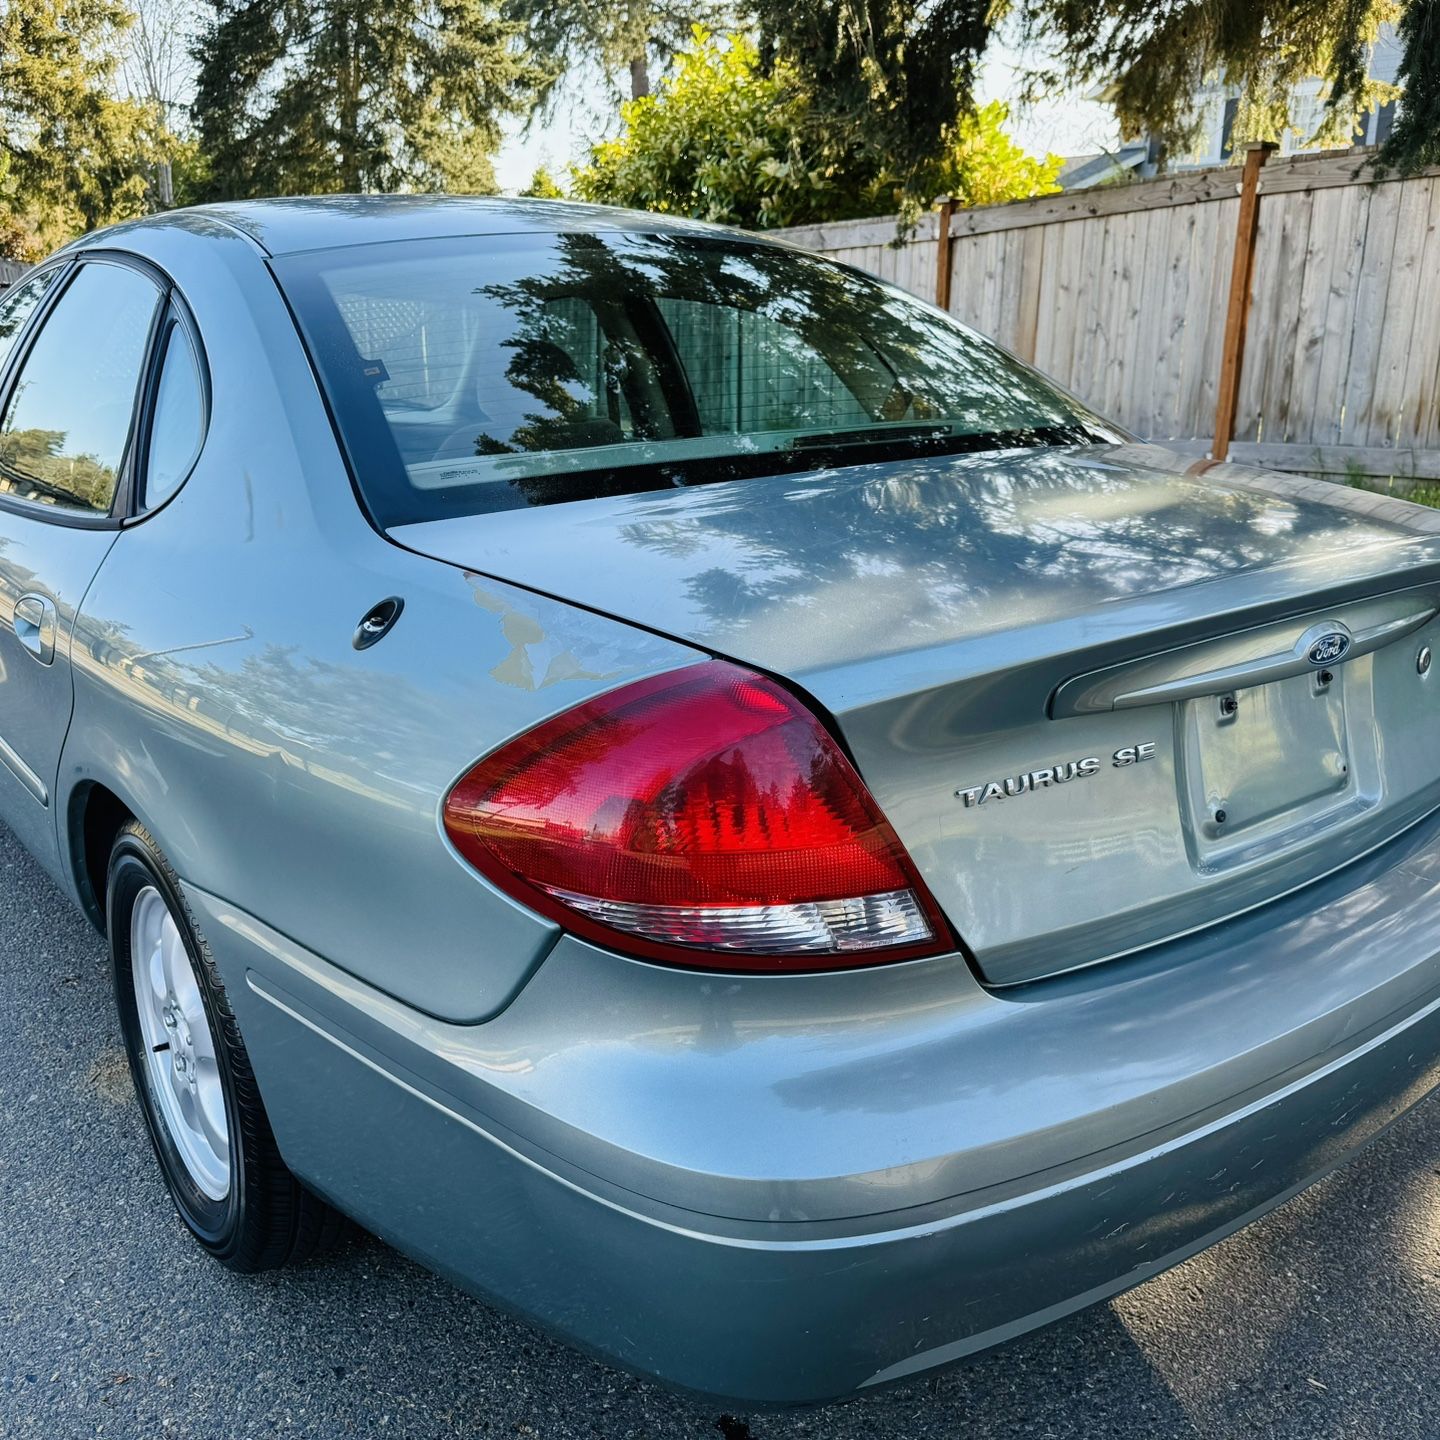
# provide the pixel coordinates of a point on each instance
(1235, 662)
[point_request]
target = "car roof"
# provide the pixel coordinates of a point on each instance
(287, 226)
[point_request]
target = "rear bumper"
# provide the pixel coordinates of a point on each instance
(549, 1163)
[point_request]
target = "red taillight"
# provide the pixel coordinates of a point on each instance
(703, 817)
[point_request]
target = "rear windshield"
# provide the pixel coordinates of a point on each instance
(491, 373)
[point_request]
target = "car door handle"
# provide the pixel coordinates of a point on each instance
(34, 623)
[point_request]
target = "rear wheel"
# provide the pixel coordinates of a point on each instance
(193, 1076)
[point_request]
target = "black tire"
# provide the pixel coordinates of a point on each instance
(267, 1218)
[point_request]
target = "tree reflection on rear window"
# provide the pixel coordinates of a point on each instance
(491, 373)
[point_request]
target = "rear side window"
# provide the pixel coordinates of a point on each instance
(17, 305)
(179, 418)
(68, 418)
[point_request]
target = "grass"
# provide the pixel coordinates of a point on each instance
(1403, 487)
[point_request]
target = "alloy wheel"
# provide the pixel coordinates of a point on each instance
(180, 1058)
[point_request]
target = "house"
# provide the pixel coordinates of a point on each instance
(1216, 105)
(1135, 160)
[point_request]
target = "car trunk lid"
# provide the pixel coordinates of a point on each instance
(1103, 702)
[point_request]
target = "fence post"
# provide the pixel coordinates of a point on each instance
(942, 252)
(1237, 317)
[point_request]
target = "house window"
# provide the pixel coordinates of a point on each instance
(1307, 114)
(1227, 127)
(1212, 107)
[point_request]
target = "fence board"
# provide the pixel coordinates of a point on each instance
(1422, 402)
(1082, 296)
(1096, 283)
(1007, 292)
(1311, 308)
(1394, 326)
(1170, 305)
(1028, 316)
(1047, 308)
(1209, 328)
(1279, 335)
(1371, 294)
(1145, 348)
(1332, 460)
(1137, 344)
(1119, 294)
(1352, 225)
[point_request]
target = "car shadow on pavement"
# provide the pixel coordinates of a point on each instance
(1318, 1321)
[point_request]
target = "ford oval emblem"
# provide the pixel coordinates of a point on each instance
(1329, 648)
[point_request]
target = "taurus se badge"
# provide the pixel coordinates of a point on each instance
(1048, 775)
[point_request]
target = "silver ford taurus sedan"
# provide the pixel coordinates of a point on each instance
(692, 793)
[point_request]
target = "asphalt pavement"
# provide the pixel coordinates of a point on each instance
(1321, 1320)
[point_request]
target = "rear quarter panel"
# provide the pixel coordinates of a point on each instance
(218, 693)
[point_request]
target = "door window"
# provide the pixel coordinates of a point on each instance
(18, 305)
(67, 422)
(176, 430)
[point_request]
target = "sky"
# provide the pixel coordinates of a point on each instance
(586, 110)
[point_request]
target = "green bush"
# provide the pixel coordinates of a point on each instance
(726, 139)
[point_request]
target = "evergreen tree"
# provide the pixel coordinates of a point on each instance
(618, 36)
(889, 76)
(543, 186)
(1152, 57)
(1415, 140)
(72, 155)
(896, 75)
(351, 96)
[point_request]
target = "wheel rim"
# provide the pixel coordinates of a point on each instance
(179, 1053)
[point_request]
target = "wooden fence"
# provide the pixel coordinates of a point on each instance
(1121, 295)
